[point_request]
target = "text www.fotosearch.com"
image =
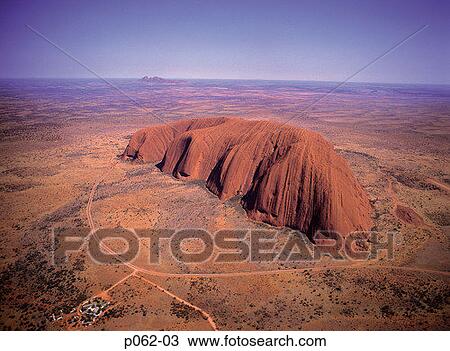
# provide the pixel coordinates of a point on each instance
(175, 340)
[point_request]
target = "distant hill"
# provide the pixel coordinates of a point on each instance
(158, 80)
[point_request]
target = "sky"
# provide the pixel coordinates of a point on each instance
(279, 40)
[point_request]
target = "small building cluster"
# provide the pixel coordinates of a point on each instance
(93, 309)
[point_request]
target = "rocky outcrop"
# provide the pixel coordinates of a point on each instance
(157, 80)
(408, 216)
(287, 176)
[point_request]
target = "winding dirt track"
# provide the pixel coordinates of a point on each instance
(179, 299)
(135, 269)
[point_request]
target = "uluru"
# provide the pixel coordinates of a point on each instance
(287, 176)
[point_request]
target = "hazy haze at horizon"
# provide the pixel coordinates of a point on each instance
(267, 40)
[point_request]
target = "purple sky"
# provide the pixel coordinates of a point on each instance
(298, 40)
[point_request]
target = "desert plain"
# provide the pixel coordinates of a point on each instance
(60, 141)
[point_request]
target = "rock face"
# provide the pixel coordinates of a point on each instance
(287, 176)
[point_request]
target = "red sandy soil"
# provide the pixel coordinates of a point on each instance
(57, 146)
(288, 176)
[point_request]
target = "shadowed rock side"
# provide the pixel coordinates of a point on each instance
(287, 176)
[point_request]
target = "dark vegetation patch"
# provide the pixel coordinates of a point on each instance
(76, 154)
(181, 310)
(12, 188)
(348, 154)
(411, 297)
(46, 131)
(202, 286)
(439, 218)
(140, 171)
(35, 289)
(105, 191)
(62, 214)
(386, 311)
(411, 179)
(24, 172)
